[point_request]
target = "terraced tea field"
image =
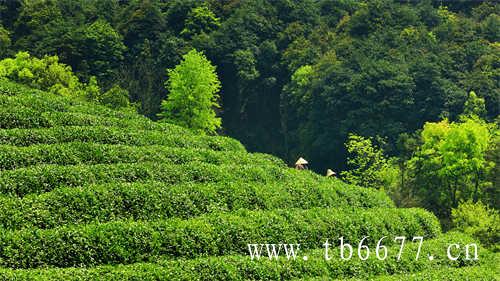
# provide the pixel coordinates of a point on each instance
(89, 193)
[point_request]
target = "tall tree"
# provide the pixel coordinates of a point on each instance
(450, 166)
(193, 92)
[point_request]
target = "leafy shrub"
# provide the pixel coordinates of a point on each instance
(482, 272)
(369, 166)
(478, 220)
(116, 97)
(44, 74)
(215, 234)
(43, 178)
(25, 117)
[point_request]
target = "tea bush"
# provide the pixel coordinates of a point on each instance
(215, 234)
(12, 157)
(166, 136)
(155, 200)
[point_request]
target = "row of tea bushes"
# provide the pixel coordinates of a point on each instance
(489, 272)
(470, 273)
(169, 136)
(154, 200)
(13, 157)
(486, 269)
(26, 117)
(215, 234)
(33, 100)
(43, 178)
(243, 268)
(16, 95)
(9, 88)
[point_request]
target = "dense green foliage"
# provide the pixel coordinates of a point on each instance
(486, 272)
(451, 166)
(136, 133)
(297, 76)
(73, 153)
(400, 98)
(441, 166)
(43, 178)
(369, 167)
(479, 221)
(45, 74)
(115, 97)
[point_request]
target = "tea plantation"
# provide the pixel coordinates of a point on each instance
(90, 193)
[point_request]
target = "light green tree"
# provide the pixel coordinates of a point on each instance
(369, 167)
(450, 165)
(193, 86)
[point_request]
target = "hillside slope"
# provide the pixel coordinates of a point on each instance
(92, 193)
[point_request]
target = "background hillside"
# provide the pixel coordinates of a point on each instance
(395, 64)
(90, 193)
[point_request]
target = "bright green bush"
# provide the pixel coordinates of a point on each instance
(10, 88)
(477, 273)
(12, 157)
(9, 98)
(44, 178)
(215, 234)
(479, 221)
(45, 74)
(154, 200)
(240, 268)
(22, 118)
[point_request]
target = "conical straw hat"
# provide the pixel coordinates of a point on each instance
(301, 161)
(330, 173)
